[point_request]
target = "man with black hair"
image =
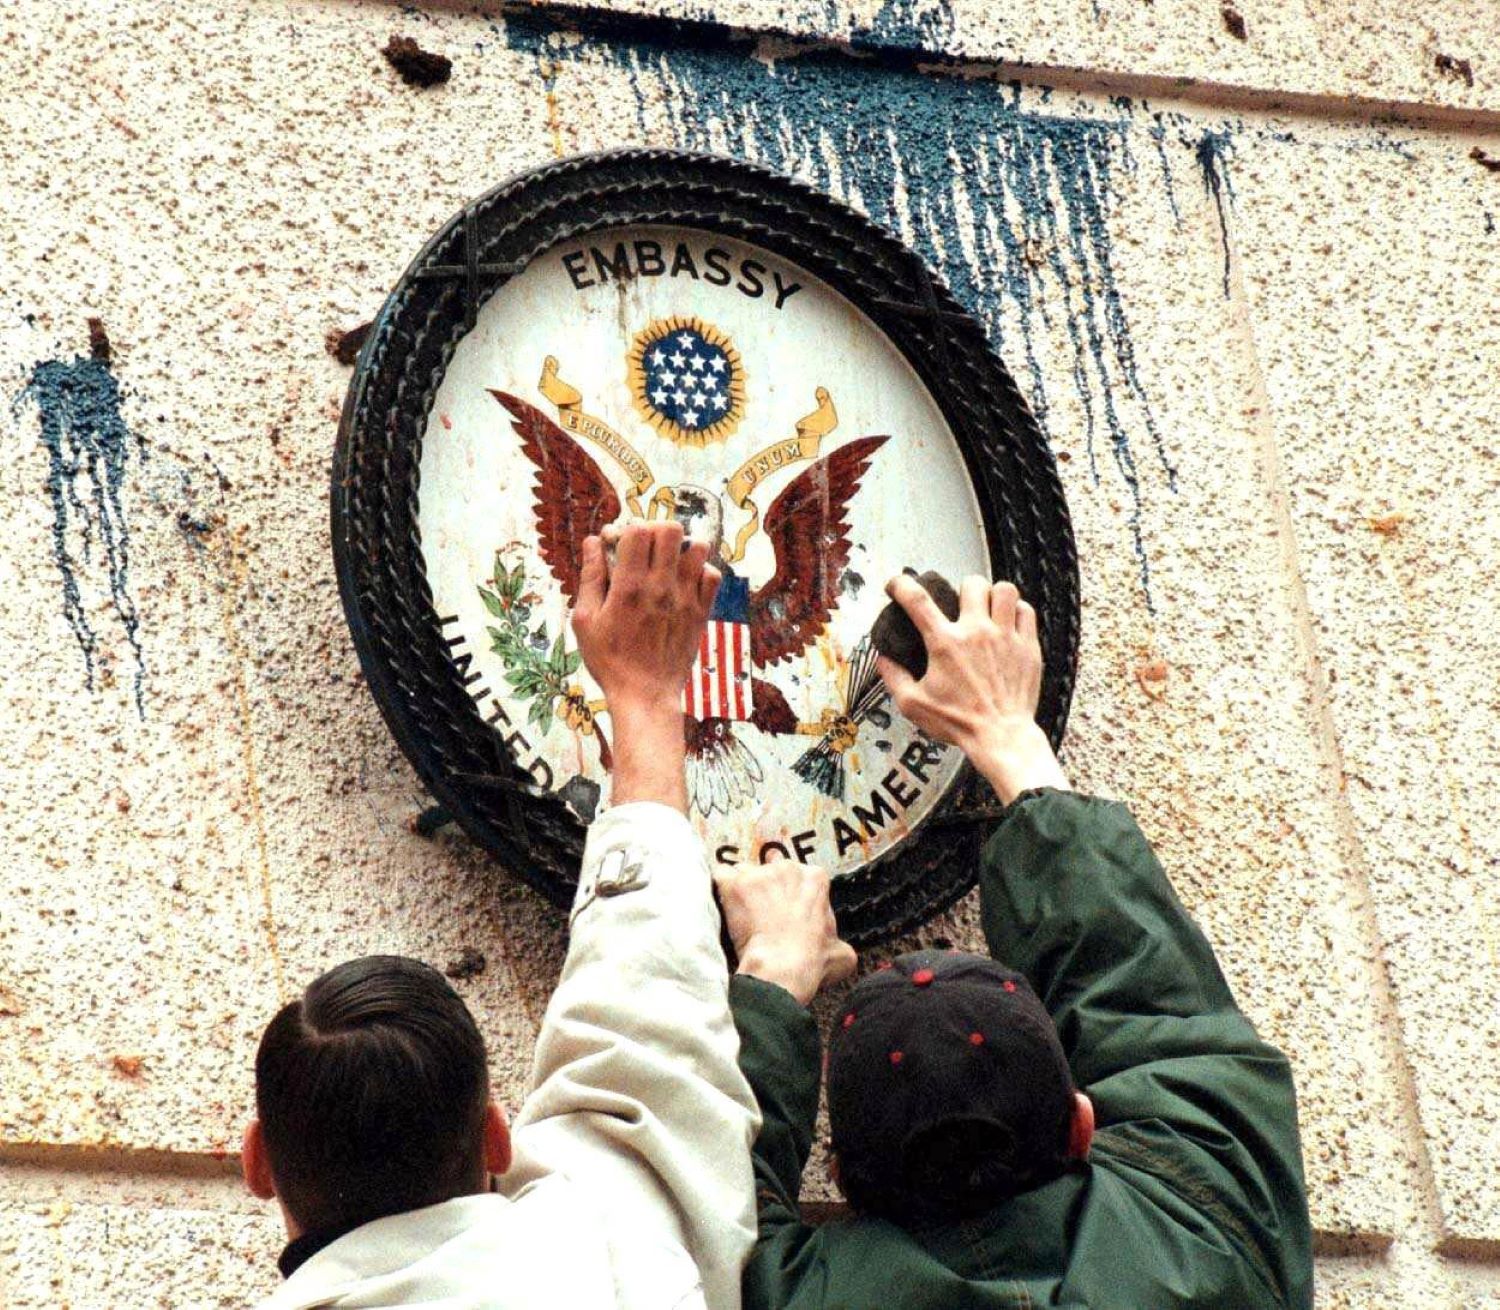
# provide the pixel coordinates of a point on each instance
(626, 1180)
(1091, 1122)
(373, 1099)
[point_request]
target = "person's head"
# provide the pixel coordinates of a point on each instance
(372, 1098)
(948, 1090)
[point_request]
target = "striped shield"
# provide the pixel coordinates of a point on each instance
(719, 685)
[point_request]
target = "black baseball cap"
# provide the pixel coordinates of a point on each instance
(948, 1089)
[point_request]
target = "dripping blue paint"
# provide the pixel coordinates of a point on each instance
(1213, 150)
(1158, 134)
(1011, 206)
(88, 450)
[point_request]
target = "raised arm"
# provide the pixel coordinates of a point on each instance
(983, 681)
(637, 1094)
(1071, 894)
(783, 930)
(1182, 1086)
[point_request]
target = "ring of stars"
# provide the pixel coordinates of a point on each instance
(687, 380)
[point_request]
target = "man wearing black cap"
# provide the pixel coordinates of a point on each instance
(1091, 1123)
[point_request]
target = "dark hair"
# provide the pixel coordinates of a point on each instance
(371, 1092)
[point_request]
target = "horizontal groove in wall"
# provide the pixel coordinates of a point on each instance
(1210, 93)
(130, 1161)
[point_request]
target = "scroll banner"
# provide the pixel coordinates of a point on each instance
(612, 443)
(755, 470)
(750, 474)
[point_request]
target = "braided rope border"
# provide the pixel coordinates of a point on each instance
(377, 474)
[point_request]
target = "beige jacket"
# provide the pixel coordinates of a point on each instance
(631, 1186)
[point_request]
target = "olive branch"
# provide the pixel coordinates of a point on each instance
(536, 667)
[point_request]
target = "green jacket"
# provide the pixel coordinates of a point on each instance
(1193, 1192)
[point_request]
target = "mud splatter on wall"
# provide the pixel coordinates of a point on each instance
(89, 447)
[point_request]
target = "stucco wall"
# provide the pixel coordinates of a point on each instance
(1258, 322)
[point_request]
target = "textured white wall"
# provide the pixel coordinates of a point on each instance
(1275, 308)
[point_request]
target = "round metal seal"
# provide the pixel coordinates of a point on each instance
(651, 334)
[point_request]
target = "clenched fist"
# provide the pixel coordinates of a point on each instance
(782, 926)
(639, 625)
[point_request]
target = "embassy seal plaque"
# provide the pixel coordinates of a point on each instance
(645, 335)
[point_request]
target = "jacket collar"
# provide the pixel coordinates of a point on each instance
(300, 1250)
(331, 1260)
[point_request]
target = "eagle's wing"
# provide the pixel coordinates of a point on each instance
(574, 499)
(811, 540)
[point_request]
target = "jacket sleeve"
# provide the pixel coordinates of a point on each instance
(1183, 1088)
(637, 1094)
(781, 1055)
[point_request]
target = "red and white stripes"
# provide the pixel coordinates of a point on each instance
(719, 685)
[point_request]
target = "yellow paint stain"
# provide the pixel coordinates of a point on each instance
(57, 1216)
(554, 118)
(238, 577)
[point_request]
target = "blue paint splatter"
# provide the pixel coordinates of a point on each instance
(1379, 143)
(1158, 133)
(88, 446)
(913, 24)
(1213, 150)
(1012, 207)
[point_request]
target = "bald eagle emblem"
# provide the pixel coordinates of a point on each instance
(755, 625)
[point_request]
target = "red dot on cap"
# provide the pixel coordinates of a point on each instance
(1009, 986)
(849, 1019)
(922, 977)
(976, 1039)
(897, 1057)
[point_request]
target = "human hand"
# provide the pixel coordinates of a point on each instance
(983, 682)
(782, 926)
(639, 623)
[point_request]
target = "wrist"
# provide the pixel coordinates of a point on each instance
(654, 707)
(649, 752)
(1015, 756)
(786, 969)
